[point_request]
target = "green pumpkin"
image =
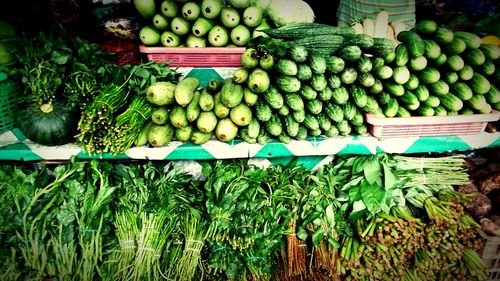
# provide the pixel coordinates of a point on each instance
(49, 124)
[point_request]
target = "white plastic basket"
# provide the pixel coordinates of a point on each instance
(491, 256)
(418, 126)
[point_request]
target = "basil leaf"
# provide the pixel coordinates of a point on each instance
(371, 170)
(354, 194)
(373, 196)
(358, 210)
(358, 164)
(302, 233)
(330, 215)
(317, 237)
(390, 179)
(60, 57)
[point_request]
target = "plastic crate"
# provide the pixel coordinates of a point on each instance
(9, 89)
(195, 57)
(491, 256)
(382, 127)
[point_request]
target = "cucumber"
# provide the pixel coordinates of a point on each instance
(425, 27)
(415, 43)
(461, 90)
(455, 47)
(432, 49)
(466, 73)
(425, 110)
(294, 101)
(394, 88)
(334, 64)
(474, 57)
(440, 111)
(439, 88)
(366, 80)
(493, 95)
(422, 92)
(402, 55)
(492, 52)
(443, 36)
(349, 75)
(432, 101)
(488, 68)
(383, 47)
(479, 84)
(304, 72)
(364, 64)
(384, 72)
(471, 40)
(451, 102)
(451, 77)
(409, 100)
(401, 74)
(455, 63)
(390, 109)
(417, 64)
(429, 75)
(298, 53)
(286, 67)
(350, 53)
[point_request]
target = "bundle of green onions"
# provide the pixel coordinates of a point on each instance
(98, 118)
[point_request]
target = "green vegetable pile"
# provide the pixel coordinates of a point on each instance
(199, 24)
(432, 71)
(357, 218)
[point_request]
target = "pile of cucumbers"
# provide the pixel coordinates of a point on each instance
(200, 23)
(436, 71)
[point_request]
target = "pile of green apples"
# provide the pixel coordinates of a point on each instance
(200, 23)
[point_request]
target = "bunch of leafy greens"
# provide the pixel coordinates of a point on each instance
(59, 65)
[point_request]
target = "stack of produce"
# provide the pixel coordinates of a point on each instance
(359, 218)
(175, 23)
(321, 81)
(437, 71)
(185, 112)
(113, 119)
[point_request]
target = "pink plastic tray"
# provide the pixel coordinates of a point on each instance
(195, 57)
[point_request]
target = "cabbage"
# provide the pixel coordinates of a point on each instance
(283, 12)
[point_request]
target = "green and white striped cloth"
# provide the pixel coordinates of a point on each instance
(350, 11)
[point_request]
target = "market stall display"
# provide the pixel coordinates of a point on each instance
(279, 171)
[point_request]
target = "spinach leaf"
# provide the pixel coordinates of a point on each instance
(373, 196)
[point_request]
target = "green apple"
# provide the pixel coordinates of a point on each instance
(149, 35)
